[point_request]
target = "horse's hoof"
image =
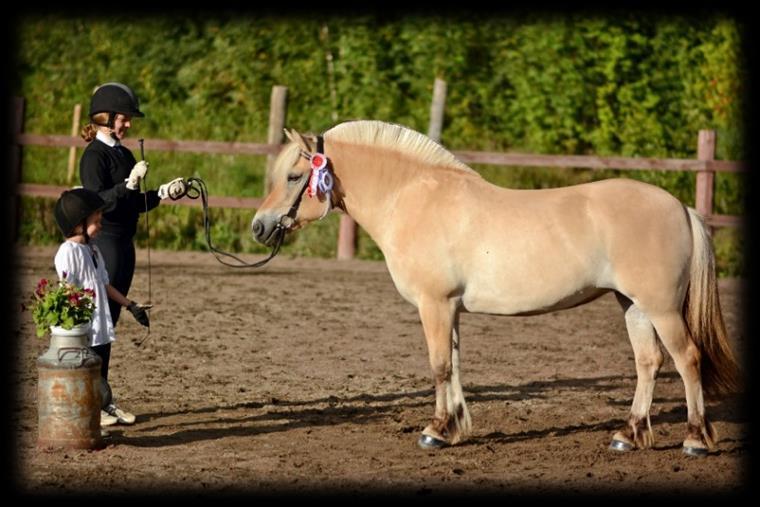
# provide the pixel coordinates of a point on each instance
(619, 445)
(698, 452)
(428, 442)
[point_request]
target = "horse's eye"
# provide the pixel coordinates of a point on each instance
(294, 177)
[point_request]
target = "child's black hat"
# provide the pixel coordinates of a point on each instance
(74, 206)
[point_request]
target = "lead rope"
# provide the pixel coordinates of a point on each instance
(196, 187)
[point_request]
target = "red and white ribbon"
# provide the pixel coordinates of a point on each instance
(320, 180)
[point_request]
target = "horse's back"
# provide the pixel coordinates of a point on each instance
(543, 249)
(631, 199)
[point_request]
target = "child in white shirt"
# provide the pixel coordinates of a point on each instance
(78, 214)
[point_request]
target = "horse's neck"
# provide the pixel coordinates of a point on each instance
(371, 181)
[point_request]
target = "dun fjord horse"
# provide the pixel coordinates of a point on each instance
(454, 242)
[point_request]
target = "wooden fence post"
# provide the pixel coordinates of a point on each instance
(277, 113)
(347, 230)
(16, 158)
(705, 179)
(73, 150)
(346, 238)
(436, 110)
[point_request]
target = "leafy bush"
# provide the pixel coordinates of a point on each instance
(632, 84)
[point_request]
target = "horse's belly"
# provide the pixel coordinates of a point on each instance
(537, 271)
(515, 308)
(503, 301)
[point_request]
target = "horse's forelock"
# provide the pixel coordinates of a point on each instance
(287, 157)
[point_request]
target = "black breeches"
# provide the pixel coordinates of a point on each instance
(104, 352)
(119, 255)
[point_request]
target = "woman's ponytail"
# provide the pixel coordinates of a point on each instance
(91, 129)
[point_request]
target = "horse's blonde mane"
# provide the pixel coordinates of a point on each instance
(395, 137)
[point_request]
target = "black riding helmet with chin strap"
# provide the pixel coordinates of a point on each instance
(114, 98)
(74, 206)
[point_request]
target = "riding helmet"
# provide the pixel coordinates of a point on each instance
(115, 98)
(74, 206)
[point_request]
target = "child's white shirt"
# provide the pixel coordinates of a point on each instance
(75, 259)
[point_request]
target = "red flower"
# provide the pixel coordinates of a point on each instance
(41, 285)
(61, 304)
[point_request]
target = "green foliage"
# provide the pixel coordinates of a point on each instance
(62, 304)
(37, 223)
(729, 245)
(631, 85)
(627, 85)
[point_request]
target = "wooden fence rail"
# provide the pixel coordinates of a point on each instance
(468, 157)
(597, 162)
(704, 166)
(217, 147)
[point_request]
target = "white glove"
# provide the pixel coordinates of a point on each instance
(175, 189)
(138, 172)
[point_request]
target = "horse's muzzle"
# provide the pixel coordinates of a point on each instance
(267, 232)
(263, 233)
(257, 229)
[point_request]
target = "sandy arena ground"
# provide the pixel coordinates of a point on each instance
(311, 376)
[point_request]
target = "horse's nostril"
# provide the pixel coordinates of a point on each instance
(258, 228)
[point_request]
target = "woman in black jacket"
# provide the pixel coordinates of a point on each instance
(110, 169)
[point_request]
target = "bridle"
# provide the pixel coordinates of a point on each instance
(196, 187)
(321, 180)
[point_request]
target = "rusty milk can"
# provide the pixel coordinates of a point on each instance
(68, 392)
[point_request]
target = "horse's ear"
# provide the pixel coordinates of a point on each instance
(312, 139)
(296, 137)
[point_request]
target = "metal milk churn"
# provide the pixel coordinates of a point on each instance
(68, 391)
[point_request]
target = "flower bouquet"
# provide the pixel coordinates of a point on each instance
(61, 304)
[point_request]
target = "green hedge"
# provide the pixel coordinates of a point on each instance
(630, 85)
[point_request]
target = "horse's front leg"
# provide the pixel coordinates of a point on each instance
(451, 420)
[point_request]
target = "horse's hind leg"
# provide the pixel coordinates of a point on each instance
(638, 431)
(451, 421)
(672, 329)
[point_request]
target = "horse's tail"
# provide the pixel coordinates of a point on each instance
(720, 372)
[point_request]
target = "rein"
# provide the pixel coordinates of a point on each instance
(321, 178)
(196, 187)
